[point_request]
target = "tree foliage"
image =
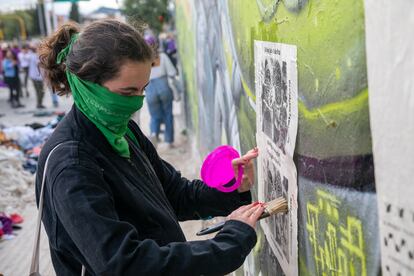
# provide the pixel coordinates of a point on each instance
(11, 28)
(151, 12)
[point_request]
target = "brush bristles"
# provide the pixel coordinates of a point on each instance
(278, 205)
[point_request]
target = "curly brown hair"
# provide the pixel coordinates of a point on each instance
(96, 56)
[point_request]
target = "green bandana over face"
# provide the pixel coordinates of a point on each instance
(109, 112)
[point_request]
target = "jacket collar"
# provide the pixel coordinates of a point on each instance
(86, 130)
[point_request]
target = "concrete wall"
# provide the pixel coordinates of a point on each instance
(390, 39)
(337, 220)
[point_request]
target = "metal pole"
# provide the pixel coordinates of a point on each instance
(54, 18)
(40, 17)
(47, 19)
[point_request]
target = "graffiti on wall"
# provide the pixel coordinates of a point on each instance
(338, 237)
(218, 124)
(334, 139)
(333, 148)
(341, 248)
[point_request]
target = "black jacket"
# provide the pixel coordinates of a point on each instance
(120, 216)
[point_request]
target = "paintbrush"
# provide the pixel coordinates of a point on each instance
(275, 206)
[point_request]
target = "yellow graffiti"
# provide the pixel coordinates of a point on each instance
(338, 248)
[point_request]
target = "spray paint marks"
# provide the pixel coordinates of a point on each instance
(334, 137)
(218, 123)
(342, 243)
(338, 237)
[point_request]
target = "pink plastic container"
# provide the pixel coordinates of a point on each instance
(217, 171)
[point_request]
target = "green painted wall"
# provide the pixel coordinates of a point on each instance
(333, 151)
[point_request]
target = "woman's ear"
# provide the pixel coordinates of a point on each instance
(156, 61)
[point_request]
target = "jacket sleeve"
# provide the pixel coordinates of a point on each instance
(190, 199)
(107, 246)
(194, 199)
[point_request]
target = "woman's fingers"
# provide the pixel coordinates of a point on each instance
(257, 212)
(248, 169)
(246, 160)
(251, 210)
(243, 208)
(251, 154)
(248, 214)
(247, 179)
(238, 161)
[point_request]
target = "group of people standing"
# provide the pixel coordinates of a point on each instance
(16, 61)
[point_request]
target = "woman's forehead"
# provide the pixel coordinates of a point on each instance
(135, 70)
(131, 74)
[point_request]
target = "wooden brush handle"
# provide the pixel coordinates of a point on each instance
(220, 225)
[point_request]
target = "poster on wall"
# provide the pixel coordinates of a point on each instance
(276, 123)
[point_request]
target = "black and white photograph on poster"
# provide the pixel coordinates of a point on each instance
(277, 120)
(276, 186)
(275, 102)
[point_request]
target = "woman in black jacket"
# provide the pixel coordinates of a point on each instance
(110, 202)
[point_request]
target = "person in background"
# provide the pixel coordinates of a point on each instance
(160, 96)
(11, 78)
(24, 59)
(15, 49)
(2, 83)
(3, 51)
(4, 48)
(171, 49)
(55, 98)
(36, 77)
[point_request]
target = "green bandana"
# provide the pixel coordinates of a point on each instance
(109, 112)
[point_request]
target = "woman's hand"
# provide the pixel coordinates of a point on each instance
(248, 214)
(248, 169)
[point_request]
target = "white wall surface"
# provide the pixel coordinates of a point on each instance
(390, 54)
